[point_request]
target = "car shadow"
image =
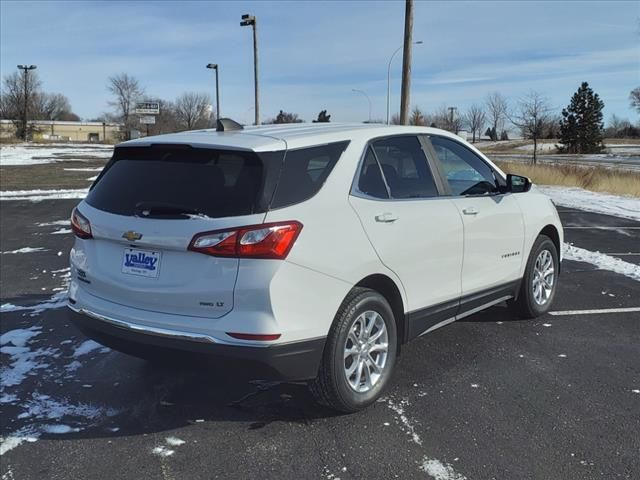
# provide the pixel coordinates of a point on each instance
(136, 397)
(131, 396)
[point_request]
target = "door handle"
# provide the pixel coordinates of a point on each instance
(386, 217)
(470, 211)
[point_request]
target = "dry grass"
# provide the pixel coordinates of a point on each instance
(9, 140)
(622, 141)
(596, 179)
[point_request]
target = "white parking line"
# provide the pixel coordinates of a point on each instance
(594, 311)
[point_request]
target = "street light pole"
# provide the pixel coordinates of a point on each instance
(419, 42)
(215, 67)
(368, 99)
(25, 117)
(246, 21)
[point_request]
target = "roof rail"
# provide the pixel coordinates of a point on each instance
(227, 125)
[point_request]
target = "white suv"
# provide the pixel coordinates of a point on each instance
(304, 252)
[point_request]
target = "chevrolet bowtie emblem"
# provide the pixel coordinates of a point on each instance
(131, 235)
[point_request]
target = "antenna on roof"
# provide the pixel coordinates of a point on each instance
(227, 125)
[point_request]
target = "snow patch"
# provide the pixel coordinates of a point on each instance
(574, 197)
(602, 261)
(163, 451)
(59, 429)
(440, 471)
(8, 398)
(20, 336)
(84, 169)
(38, 154)
(73, 366)
(17, 438)
(44, 407)
(26, 250)
(174, 441)
(56, 223)
(40, 195)
(23, 362)
(541, 148)
(408, 427)
(61, 231)
(58, 300)
(89, 346)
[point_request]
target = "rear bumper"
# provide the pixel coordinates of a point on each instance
(290, 361)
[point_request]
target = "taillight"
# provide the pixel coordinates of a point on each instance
(267, 240)
(80, 225)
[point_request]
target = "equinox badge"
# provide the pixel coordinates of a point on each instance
(131, 235)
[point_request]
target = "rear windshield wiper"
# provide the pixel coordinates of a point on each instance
(164, 210)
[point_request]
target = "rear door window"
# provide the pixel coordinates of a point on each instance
(404, 166)
(166, 181)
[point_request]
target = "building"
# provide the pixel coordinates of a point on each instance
(59, 131)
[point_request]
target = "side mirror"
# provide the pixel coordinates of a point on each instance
(518, 183)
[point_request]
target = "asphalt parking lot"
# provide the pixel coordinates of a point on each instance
(487, 397)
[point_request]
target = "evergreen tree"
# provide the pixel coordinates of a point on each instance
(581, 124)
(323, 117)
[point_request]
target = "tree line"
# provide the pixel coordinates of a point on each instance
(24, 89)
(189, 111)
(579, 127)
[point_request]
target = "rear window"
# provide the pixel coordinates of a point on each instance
(166, 180)
(175, 181)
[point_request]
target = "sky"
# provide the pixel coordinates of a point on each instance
(312, 54)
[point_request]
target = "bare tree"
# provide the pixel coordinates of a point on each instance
(126, 91)
(166, 120)
(532, 116)
(193, 110)
(441, 118)
(497, 112)
(475, 119)
(13, 98)
(634, 98)
(417, 117)
(53, 106)
(285, 117)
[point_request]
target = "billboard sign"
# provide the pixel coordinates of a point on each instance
(147, 108)
(148, 120)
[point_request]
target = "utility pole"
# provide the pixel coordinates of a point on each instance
(215, 67)
(406, 63)
(25, 117)
(246, 21)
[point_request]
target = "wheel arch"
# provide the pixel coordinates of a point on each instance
(385, 286)
(552, 232)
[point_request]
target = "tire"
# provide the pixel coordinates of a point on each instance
(532, 303)
(334, 386)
